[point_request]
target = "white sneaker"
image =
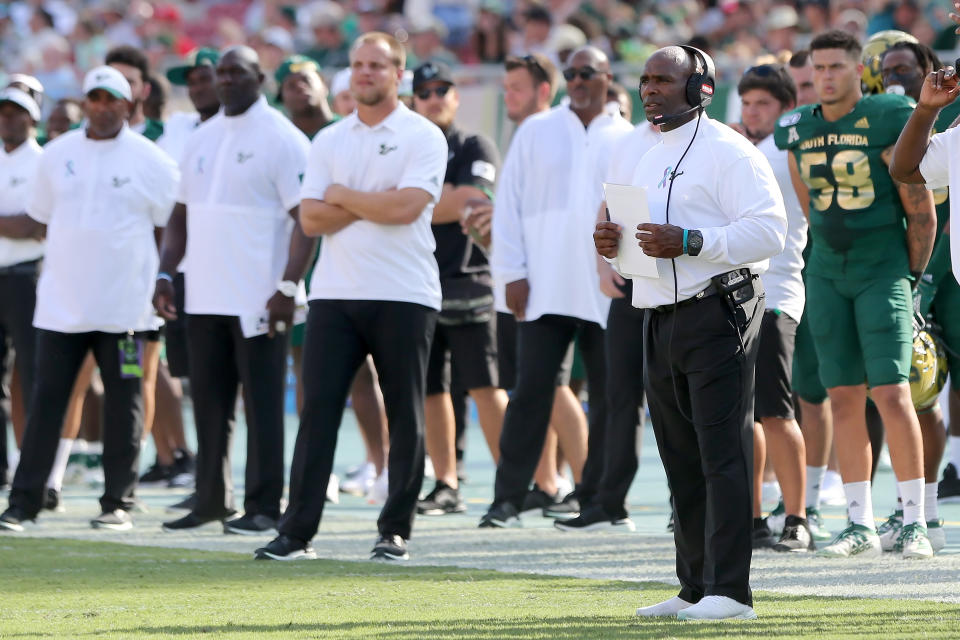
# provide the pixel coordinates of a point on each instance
(362, 480)
(379, 490)
(855, 540)
(717, 608)
(666, 609)
(333, 489)
(936, 534)
(831, 490)
(771, 493)
(889, 531)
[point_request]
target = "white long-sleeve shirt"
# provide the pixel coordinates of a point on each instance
(783, 281)
(545, 211)
(726, 189)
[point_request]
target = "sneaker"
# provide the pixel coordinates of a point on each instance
(285, 547)
(913, 542)
(251, 524)
(187, 504)
(717, 608)
(948, 490)
(116, 520)
(389, 547)
(359, 483)
(569, 507)
(889, 531)
(595, 518)
(501, 516)
(537, 500)
(795, 536)
(13, 519)
(936, 534)
(442, 500)
(762, 536)
(855, 540)
(380, 490)
(333, 489)
(157, 475)
(666, 609)
(777, 518)
(191, 521)
(52, 502)
(815, 524)
(184, 469)
(831, 490)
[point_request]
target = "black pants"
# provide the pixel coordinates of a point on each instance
(700, 388)
(542, 345)
(221, 360)
(339, 336)
(18, 287)
(59, 357)
(624, 351)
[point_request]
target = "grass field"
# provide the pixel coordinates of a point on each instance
(73, 589)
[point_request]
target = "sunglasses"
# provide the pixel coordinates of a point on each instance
(585, 73)
(441, 91)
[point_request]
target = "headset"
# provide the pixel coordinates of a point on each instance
(700, 86)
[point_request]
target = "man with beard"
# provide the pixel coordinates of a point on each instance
(133, 64)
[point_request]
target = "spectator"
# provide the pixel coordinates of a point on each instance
(330, 48)
(426, 43)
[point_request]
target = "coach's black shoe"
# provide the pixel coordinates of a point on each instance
(442, 500)
(796, 536)
(187, 504)
(569, 507)
(537, 500)
(500, 516)
(52, 502)
(157, 475)
(191, 521)
(390, 546)
(948, 490)
(251, 524)
(13, 519)
(116, 520)
(762, 536)
(285, 547)
(595, 518)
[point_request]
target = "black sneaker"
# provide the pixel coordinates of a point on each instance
(537, 500)
(500, 516)
(183, 471)
(187, 504)
(116, 520)
(948, 490)
(595, 518)
(156, 475)
(390, 547)
(569, 507)
(285, 547)
(796, 536)
(442, 500)
(13, 519)
(51, 501)
(251, 525)
(762, 536)
(190, 521)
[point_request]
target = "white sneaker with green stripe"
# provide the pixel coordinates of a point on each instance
(889, 531)
(913, 541)
(936, 535)
(855, 540)
(817, 530)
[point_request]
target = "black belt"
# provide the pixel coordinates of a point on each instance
(21, 269)
(711, 290)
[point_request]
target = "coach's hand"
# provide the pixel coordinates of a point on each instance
(163, 298)
(281, 310)
(939, 89)
(606, 238)
(660, 240)
(518, 292)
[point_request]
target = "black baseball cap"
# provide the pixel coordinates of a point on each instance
(432, 72)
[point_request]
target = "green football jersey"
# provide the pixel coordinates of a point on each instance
(857, 221)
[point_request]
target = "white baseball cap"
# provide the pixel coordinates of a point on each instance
(21, 99)
(108, 79)
(28, 81)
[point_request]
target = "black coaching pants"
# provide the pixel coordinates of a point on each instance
(700, 388)
(541, 347)
(339, 336)
(18, 295)
(221, 360)
(58, 360)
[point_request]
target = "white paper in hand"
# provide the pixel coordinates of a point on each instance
(628, 208)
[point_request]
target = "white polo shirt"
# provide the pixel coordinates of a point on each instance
(16, 181)
(176, 130)
(367, 260)
(241, 176)
(940, 168)
(100, 200)
(628, 150)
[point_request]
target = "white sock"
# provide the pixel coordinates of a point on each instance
(955, 451)
(95, 448)
(860, 503)
(55, 480)
(930, 511)
(815, 476)
(912, 492)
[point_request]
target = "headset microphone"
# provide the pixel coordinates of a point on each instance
(667, 119)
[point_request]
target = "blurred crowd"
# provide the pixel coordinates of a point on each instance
(59, 40)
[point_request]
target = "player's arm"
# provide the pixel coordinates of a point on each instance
(921, 220)
(940, 88)
(799, 186)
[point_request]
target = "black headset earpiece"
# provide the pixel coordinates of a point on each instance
(700, 84)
